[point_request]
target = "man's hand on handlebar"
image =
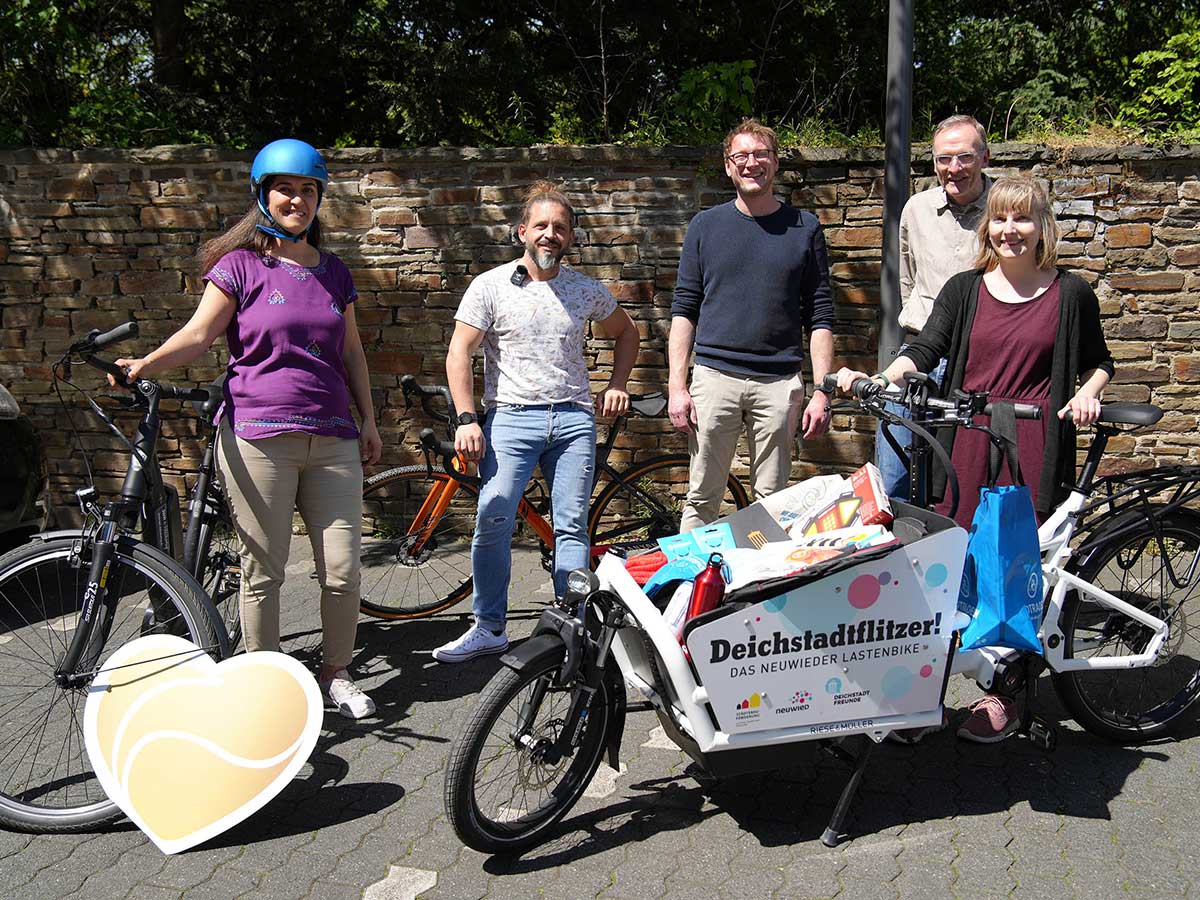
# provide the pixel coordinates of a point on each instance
(469, 442)
(612, 402)
(1084, 409)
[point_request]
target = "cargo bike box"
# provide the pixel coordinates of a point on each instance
(860, 644)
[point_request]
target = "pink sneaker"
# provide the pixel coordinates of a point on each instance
(992, 719)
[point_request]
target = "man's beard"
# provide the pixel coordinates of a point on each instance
(544, 258)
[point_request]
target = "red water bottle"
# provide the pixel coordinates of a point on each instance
(709, 587)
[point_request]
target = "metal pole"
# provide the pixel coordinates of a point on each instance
(897, 170)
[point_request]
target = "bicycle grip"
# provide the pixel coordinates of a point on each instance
(862, 388)
(865, 388)
(122, 332)
(1020, 410)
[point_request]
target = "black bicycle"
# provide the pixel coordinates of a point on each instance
(70, 599)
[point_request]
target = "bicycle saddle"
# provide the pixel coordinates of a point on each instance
(1130, 413)
(206, 409)
(648, 404)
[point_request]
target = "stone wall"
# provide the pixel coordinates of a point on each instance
(93, 238)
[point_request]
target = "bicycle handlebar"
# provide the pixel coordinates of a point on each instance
(868, 390)
(96, 340)
(408, 384)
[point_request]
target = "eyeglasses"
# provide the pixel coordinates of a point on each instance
(740, 159)
(964, 159)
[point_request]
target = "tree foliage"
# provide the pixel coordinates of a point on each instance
(419, 72)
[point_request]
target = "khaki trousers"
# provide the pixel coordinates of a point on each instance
(322, 478)
(768, 409)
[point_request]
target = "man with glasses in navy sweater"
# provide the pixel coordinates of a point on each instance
(753, 281)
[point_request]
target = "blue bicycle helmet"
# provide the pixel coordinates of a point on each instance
(286, 157)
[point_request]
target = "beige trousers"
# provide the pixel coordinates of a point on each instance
(322, 478)
(768, 409)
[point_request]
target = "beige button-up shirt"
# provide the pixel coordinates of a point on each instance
(937, 240)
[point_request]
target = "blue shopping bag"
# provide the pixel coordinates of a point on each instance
(1002, 579)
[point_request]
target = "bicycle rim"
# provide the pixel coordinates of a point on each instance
(406, 575)
(646, 504)
(46, 781)
(1143, 703)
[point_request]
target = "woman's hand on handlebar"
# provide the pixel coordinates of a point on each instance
(132, 367)
(846, 378)
(469, 442)
(1084, 409)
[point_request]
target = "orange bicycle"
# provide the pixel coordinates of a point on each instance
(418, 520)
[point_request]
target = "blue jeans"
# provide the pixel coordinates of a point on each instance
(561, 439)
(891, 467)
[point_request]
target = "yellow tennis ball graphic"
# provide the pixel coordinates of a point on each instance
(188, 747)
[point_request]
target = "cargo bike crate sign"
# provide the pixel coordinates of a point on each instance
(837, 652)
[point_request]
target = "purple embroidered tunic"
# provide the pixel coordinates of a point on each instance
(285, 345)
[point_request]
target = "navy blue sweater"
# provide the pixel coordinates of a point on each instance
(754, 287)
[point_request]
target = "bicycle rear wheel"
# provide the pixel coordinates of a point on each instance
(647, 501)
(1134, 705)
(407, 575)
(46, 780)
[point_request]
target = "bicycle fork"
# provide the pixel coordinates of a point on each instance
(77, 666)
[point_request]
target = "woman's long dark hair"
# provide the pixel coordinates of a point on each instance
(244, 234)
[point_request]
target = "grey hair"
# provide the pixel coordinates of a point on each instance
(957, 120)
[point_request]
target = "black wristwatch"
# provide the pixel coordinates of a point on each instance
(467, 418)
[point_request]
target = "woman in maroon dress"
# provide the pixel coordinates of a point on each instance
(1020, 329)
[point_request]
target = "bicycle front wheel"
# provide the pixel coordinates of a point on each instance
(1135, 705)
(416, 561)
(503, 790)
(646, 503)
(46, 781)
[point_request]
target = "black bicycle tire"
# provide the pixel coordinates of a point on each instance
(176, 586)
(459, 796)
(1071, 686)
(377, 484)
(741, 496)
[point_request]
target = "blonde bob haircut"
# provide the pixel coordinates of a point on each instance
(1018, 194)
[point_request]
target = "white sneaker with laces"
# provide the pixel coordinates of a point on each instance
(478, 641)
(347, 697)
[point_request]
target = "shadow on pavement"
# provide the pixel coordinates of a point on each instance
(941, 778)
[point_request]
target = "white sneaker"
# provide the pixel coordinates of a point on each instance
(347, 697)
(478, 641)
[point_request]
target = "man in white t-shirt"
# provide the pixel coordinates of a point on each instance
(530, 316)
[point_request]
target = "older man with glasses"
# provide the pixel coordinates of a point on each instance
(937, 240)
(753, 280)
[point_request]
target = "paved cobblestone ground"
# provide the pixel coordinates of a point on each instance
(943, 819)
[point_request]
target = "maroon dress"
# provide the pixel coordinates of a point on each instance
(1010, 353)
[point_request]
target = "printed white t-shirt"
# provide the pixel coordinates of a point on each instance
(533, 347)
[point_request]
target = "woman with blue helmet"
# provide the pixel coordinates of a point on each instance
(287, 436)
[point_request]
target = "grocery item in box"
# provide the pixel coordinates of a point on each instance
(868, 484)
(800, 500)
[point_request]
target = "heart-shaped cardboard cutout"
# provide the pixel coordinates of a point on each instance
(188, 747)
